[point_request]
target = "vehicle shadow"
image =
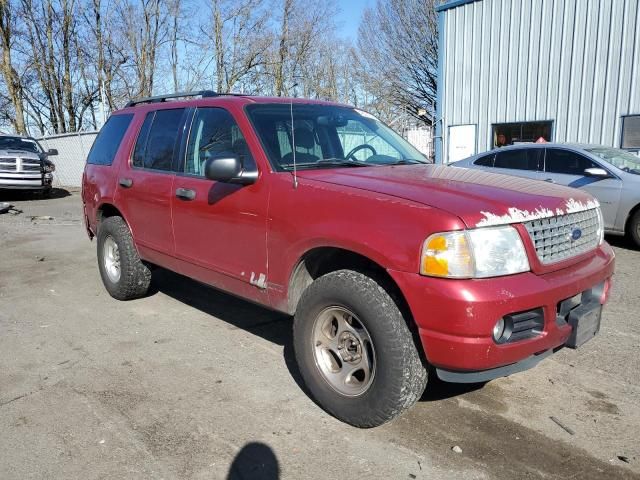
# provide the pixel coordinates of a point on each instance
(273, 326)
(9, 195)
(255, 461)
(620, 242)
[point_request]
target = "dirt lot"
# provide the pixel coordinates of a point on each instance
(193, 383)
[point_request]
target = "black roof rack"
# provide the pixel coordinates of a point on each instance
(163, 98)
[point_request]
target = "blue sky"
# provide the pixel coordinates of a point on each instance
(349, 16)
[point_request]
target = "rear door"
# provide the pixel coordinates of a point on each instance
(145, 182)
(520, 162)
(567, 167)
(220, 227)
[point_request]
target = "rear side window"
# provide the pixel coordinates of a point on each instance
(108, 141)
(158, 139)
(486, 161)
(522, 159)
(567, 162)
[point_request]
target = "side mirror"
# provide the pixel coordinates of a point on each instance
(52, 151)
(228, 170)
(596, 172)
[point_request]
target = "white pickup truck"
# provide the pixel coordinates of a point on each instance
(24, 164)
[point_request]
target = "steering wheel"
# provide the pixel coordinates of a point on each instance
(358, 148)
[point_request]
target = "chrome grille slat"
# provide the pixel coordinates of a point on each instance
(552, 236)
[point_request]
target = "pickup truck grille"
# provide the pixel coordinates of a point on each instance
(10, 164)
(564, 236)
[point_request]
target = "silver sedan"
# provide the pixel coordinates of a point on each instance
(609, 174)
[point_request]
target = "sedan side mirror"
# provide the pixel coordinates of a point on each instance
(228, 170)
(52, 151)
(596, 172)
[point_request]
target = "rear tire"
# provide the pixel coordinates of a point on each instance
(633, 229)
(355, 351)
(124, 275)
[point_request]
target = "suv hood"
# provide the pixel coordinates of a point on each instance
(19, 153)
(479, 198)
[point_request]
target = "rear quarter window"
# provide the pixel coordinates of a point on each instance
(108, 141)
(486, 161)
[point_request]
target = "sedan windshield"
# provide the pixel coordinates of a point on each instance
(618, 158)
(327, 136)
(18, 143)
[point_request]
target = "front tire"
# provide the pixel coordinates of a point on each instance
(633, 229)
(124, 275)
(355, 351)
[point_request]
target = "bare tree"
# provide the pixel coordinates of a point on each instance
(11, 77)
(398, 51)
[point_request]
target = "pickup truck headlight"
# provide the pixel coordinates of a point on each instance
(49, 168)
(477, 253)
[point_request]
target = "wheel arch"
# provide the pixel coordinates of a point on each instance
(319, 261)
(630, 215)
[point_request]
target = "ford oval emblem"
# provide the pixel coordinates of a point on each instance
(576, 234)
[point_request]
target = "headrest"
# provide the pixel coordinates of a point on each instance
(304, 137)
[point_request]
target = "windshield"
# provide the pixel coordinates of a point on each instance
(17, 143)
(327, 136)
(618, 158)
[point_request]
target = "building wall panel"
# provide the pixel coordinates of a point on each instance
(575, 62)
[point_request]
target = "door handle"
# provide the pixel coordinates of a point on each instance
(185, 194)
(550, 180)
(125, 182)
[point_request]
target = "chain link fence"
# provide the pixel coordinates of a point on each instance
(73, 149)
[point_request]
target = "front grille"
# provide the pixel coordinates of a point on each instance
(8, 164)
(31, 166)
(565, 236)
(20, 165)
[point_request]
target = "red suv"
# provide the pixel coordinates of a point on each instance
(393, 268)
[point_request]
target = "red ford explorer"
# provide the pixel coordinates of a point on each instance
(392, 267)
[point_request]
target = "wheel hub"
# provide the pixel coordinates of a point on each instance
(343, 351)
(350, 347)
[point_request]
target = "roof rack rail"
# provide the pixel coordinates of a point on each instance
(163, 98)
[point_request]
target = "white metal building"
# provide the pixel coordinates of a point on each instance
(524, 70)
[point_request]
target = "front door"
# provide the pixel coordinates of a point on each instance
(220, 227)
(567, 167)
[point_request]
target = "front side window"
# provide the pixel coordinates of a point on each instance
(519, 159)
(618, 158)
(327, 136)
(158, 139)
(108, 141)
(567, 162)
(486, 161)
(215, 134)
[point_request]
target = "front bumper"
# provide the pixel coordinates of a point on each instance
(25, 180)
(455, 318)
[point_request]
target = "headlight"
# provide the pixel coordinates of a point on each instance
(49, 167)
(600, 231)
(478, 253)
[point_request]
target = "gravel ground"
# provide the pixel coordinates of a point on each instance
(192, 383)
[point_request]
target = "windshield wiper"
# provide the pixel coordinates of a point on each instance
(405, 161)
(328, 163)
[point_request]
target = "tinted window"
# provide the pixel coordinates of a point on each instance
(565, 161)
(141, 143)
(520, 159)
(157, 150)
(108, 141)
(486, 161)
(215, 134)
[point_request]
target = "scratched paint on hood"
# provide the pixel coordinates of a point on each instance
(516, 215)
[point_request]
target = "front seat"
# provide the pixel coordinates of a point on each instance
(304, 139)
